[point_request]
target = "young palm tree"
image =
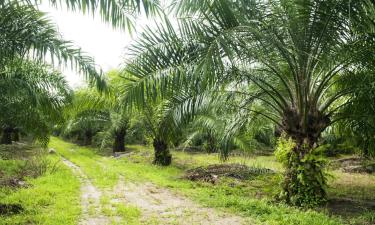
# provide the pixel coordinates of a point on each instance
(86, 124)
(290, 52)
(164, 116)
(91, 108)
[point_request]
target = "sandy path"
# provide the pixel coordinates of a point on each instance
(164, 207)
(158, 205)
(90, 198)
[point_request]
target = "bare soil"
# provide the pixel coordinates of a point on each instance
(90, 198)
(167, 207)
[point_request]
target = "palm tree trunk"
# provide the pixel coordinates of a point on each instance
(87, 138)
(211, 144)
(119, 142)
(162, 155)
(16, 135)
(365, 147)
(7, 136)
(304, 181)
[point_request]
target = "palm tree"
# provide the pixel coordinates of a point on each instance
(164, 116)
(290, 52)
(32, 98)
(86, 124)
(92, 112)
(27, 34)
(121, 14)
(357, 116)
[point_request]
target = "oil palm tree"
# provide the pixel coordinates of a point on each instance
(164, 116)
(120, 14)
(90, 108)
(32, 98)
(357, 116)
(27, 34)
(84, 125)
(291, 52)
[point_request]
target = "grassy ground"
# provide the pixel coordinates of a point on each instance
(52, 198)
(251, 198)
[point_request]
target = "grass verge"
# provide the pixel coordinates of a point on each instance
(53, 198)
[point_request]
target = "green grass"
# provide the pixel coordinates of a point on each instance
(53, 198)
(251, 199)
(89, 162)
(352, 185)
(118, 212)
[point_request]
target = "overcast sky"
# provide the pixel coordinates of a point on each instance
(95, 37)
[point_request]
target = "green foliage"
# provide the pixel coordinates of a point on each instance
(120, 14)
(284, 149)
(43, 41)
(357, 115)
(32, 98)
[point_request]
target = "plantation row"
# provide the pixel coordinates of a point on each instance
(293, 77)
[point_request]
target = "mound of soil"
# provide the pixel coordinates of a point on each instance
(9, 209)
(360, 169)
(347, 207)
(213, 172)
(354, 165)
(190, 149)
(13, 182)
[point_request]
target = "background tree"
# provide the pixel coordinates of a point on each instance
(356, 118)
(93, 112)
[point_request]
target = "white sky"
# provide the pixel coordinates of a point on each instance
(95, 37)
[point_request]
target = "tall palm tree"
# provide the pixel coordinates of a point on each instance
(26, 33)
(290, 52)
(121, 14)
